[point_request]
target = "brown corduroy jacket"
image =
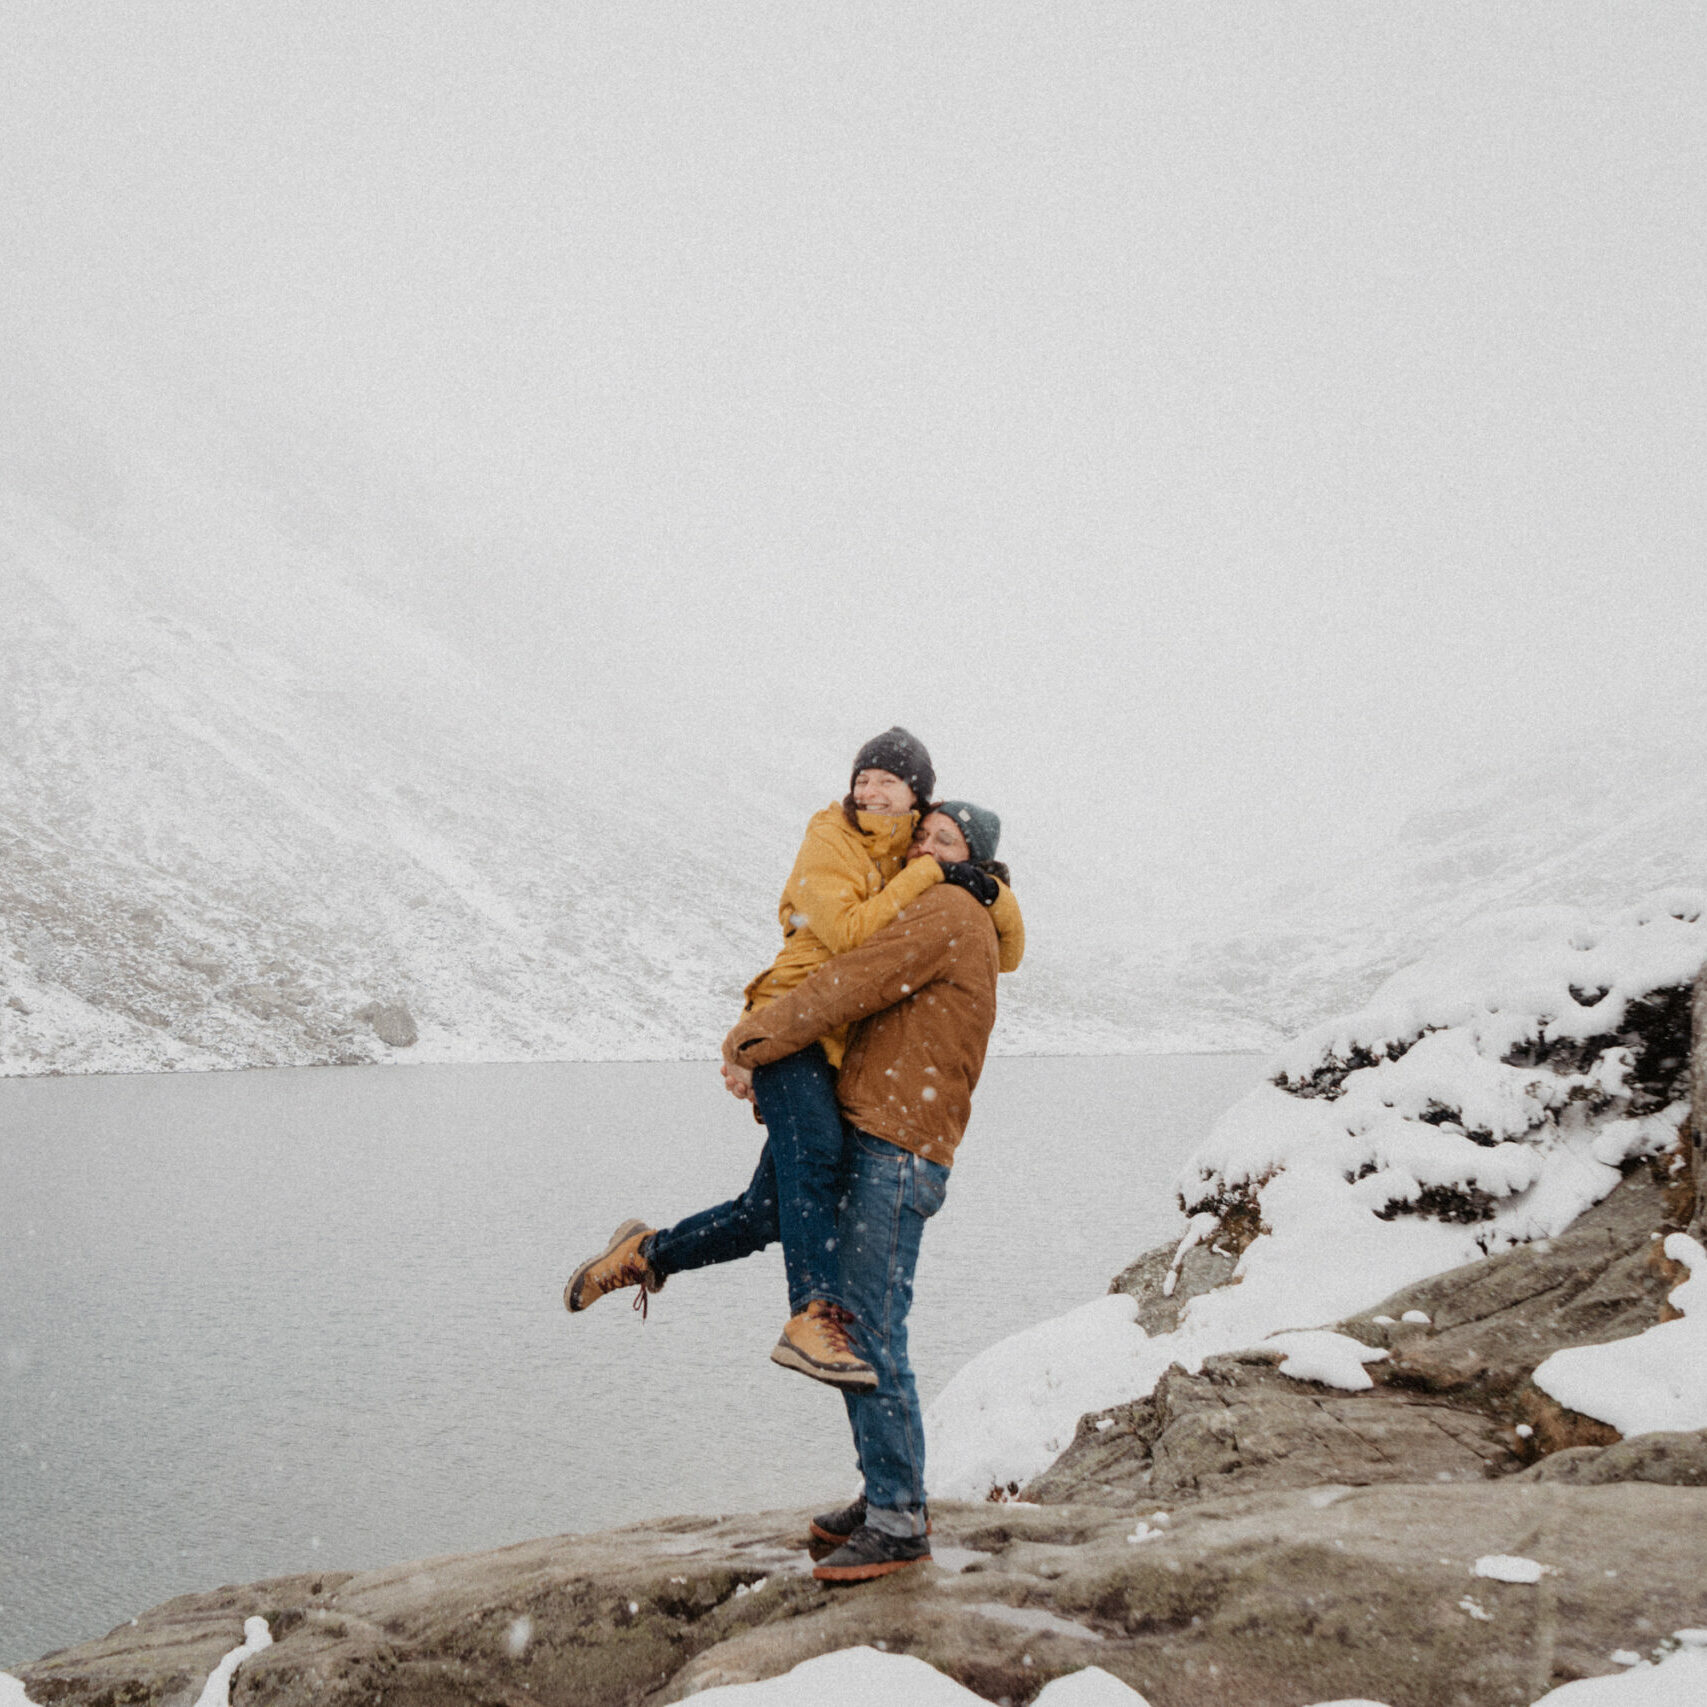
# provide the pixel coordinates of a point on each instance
(847, 883)
(921, 996)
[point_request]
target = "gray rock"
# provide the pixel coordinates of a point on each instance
(1282, 1598)
(392, 1023)
(1676, 1460)
(265, 1001)
(1205, 1267)
(1492, 1322)
(1240, 1426)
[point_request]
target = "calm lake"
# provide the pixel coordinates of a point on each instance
(257, 1323)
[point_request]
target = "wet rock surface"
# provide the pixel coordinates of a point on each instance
(1238, 1425)
(1282, 1598)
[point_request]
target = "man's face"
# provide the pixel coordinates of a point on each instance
(939, 836)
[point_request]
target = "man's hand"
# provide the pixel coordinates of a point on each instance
(980, 885)
(739, 1080)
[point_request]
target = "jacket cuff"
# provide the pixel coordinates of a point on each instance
(915, 877)
(749, 1031)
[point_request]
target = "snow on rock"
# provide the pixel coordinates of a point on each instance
(1091, 1687)
(12, 1691)
(1508, 1568)
(851, 1677)
(1678, 1680)
(1011, 1411)
(1652, 1382)
(216, 1692)
(1335, 1360)
(1484, 1098)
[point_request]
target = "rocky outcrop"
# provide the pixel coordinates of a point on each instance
(1281, 1598)
(1676, 1460)
(1203, 1267)
(1453, 1400)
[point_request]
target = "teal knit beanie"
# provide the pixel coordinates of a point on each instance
(980, 826)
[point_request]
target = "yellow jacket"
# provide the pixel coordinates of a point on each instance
(846, 885)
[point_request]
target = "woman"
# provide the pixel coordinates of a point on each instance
(850, 879)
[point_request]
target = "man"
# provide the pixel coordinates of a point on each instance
(921, 995)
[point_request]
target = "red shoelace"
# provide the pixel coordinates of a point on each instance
(837, 1319)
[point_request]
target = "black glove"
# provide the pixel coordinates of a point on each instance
(963, 874)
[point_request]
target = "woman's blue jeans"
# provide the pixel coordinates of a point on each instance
(793, 1193)
(888, 1195)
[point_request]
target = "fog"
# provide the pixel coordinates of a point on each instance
(1207, 425)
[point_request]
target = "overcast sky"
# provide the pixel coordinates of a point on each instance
(1203, 423)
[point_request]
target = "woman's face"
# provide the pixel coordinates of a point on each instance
(882, 792)
(940, 837)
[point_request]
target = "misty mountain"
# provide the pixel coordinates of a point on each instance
(238, 818)
(1597, 824)
(253, 799)
(250, 803)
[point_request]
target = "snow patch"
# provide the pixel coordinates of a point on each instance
(1335, 1360)
(1655, 1381)
(1678, 1680)
(852, 1677)
(1011, 1411)
(216, 1692)
(1508, 1568)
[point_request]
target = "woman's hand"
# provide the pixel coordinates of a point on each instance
(739, 1080)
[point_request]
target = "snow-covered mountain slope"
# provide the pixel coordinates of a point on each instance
(250, 799)
(253, 792)
(230, 825)
(1574, 822)
(238, 812)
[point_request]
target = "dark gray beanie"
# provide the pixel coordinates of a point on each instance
(978, 824)
(901, 754)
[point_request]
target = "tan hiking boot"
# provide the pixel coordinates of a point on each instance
(618, 1265)
(816, 1343)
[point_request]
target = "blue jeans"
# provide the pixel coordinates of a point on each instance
(888, 1195)
(793, 1192)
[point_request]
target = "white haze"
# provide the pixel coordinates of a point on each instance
(1208, 425)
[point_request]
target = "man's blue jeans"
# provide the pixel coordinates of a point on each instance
(793, 1193)
(888, 1195)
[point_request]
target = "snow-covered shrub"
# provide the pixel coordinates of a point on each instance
(1497, 1084)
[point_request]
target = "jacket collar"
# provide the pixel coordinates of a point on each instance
(885, 836)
